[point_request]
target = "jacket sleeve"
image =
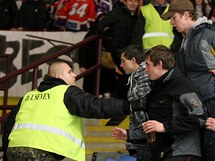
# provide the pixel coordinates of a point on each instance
(184, 121)
(135, 133)
(86, 105)
(208, 49)
(184, 118)
(106, 22)
(138, 31)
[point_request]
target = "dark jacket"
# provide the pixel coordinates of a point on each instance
(181, 135)
(78, 103)
(33, 15)
(8, 14)
(121, 23)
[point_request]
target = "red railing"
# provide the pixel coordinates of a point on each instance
(34, 66)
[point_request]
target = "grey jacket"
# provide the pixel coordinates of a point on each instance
(199, 48)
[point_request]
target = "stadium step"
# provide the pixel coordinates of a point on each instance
(98, 138)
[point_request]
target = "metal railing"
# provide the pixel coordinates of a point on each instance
(35, 65)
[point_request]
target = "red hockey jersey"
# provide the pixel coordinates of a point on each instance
(80, 14)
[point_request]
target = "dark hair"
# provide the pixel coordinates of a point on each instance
(204, 6)
(191, 13)
(133, 51)
(161, 53)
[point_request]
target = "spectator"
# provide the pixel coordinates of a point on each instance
(150, 30)
(201, 8)
(49, 12)
(59, 15)
(132, 63)
(175, 112)
(104, 6)
(8, 15)
(49, 118)
(198, 58)
(88, 58)
(80, 15)
(212, 13)
(33, 16)
(121, 21)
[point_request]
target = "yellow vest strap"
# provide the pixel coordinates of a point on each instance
(49, 129)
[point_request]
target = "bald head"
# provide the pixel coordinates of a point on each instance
(55, 68)
(63, 71)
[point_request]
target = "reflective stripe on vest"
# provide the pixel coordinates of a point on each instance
(49, 129)
(155, 34)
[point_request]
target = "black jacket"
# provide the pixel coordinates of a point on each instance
(78, 103)
(121, 23)
(33, 15)
(8, 14)
(181, 135)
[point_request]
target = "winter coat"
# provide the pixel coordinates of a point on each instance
(199, 50)
(8, 14)
(181, 136)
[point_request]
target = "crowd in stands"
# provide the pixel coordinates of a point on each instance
(68, 15)
(178, 39)
(119, 19)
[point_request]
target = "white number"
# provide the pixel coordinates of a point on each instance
(80, 11)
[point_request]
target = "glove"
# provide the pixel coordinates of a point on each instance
(139, 104)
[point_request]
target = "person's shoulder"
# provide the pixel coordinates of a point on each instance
(179, 76)
(74, 88)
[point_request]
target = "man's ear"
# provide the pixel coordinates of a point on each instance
(186, 14)
(134, 60)
(57, 76)
(160, 64)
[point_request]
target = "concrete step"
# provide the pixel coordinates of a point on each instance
(98, 138)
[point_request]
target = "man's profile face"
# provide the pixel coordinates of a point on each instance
(179, 22)
(153, 71)
(129, 66)
(67, 74)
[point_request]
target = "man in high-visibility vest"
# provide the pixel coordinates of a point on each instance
(150, 30)
(47, 122)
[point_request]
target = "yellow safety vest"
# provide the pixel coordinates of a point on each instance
(43, 122)
(157, 31)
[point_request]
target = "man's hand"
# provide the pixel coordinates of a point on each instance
(210, 124)
(153, 126)
(212, 71)
(119, 133)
